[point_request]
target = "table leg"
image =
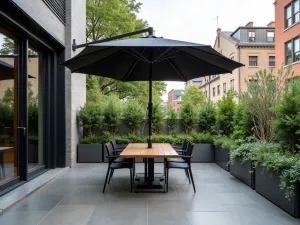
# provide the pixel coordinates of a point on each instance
(150, 171)
(146, 172)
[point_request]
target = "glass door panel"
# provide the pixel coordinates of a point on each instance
(8, 107)
(36, 81)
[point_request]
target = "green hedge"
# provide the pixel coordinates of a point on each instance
(205, 138)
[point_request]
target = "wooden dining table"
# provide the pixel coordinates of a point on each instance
(141, 150)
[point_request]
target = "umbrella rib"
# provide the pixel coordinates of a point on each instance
(162, 54)
(169, 56)
(140, 54)
(175, 68)
(132, 67)
(194, 57)
(134, 55)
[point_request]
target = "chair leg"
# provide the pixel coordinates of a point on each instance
(107, 174)
(133, 171)
(131, 179)
(167, 184)
(191, 174)
(165, 171)
(187, 175)
(111, 174)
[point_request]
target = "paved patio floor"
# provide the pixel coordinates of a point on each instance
(75, 198)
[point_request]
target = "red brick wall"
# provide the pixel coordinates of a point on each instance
(282, 35)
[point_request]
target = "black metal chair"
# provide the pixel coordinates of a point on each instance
(186, 165)
(115, 147)
(114, 164)
(183, 148)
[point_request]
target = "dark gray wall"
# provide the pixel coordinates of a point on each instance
(260, 34)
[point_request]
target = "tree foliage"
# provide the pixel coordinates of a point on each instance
(158, 116)
(287, 121)
(188, 115)
(225, 113)
(193, 95)
(133, 115)
(207, 116)
(8, 46)
(171, 119)
(263, 92)
(242, 120)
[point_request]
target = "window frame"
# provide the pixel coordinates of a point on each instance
(232, 84)
(292, 56)
(219, 90)
(272, 61)
(214, 91)
(293, 14)
(253, 61)
(224, 88)
(250, 37)
(273, 38)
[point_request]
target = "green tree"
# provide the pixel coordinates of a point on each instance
(263, 92)
(194, 95)
(287, 121)
(112, 114)
(242, 120)
(171, 119)
(225, 113)
(158, 116)
(91, 116)
(188, 115)
(8, 46)
(133, 115)
(207, 116)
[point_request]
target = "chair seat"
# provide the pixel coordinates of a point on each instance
(120, 160)
(115, 165)
(178, 160)
(178, 165)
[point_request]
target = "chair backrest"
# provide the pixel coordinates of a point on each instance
(189, 151)
(114, 144)
(109, 149)
(185, 144)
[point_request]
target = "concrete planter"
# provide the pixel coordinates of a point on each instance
(222, 158)
(203, 153)
(89, 153)
(244, 172)
(267, 185)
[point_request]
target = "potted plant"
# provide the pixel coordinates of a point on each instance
(90, 148)
(204, 149)
(223, 146)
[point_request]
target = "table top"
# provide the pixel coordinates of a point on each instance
(141, 150)
(5, 148)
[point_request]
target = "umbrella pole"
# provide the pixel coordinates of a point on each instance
(150, 107)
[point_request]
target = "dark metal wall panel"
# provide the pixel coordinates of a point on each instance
(58, 7)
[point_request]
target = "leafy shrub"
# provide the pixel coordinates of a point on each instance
(207, 117)
(179, 138)
(6, 114)
(225, 113)
(225, 142)
(93, 139)
(238, 135)
(262, 94)
(287, 119)
(171, 119)
(289, 178)
(112, 114)
(188, 114)
(242, 120)
(33, 139)
(203, 138)
(133, 115)
(91, 116)
(33, 118)
(6, 139)
(158, 115)
(163, 139)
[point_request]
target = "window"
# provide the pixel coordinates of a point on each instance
(270, 36)
(219, 90)
(271, 61)
(251, 36)
(232, 84)
(252, 60)
(292, 13)
(214, 92)
(224, 88)
(292, 51)
(206, 94)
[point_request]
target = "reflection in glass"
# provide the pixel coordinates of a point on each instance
(35, 109)
(8, 108)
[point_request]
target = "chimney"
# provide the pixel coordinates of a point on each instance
(219, 30)
(250, 24)
(271, 24)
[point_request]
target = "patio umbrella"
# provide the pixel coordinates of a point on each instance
(7, 71)
(150, 59)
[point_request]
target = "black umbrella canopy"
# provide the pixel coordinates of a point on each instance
(130, 60)
(150, 58)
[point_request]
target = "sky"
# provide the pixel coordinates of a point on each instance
(195, 20)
